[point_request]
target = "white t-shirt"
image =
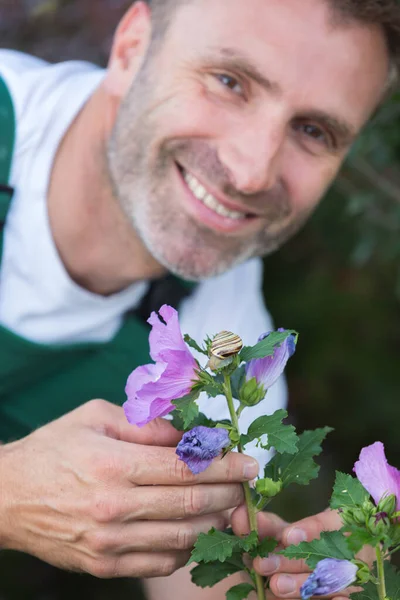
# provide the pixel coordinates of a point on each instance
(38, 300)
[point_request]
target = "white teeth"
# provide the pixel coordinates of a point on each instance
(208, 199)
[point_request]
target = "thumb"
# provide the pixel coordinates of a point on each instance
(111, 421)
(269, 524)
(310, 528)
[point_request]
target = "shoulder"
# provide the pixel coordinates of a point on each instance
(37, 86)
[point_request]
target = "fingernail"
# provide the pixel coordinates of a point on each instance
(250, 469)
(269, 565)
(296, 535)
(285, 584)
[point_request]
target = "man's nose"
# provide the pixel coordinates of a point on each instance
(252, 156)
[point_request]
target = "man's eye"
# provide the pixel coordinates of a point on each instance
(229, 82)
(315, 133)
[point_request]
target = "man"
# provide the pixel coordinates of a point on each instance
(211, 137)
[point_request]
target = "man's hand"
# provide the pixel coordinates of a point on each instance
(287, 576)
(89, 492)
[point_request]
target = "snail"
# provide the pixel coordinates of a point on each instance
(223, 348)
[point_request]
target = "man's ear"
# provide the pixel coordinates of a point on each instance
(129, 48)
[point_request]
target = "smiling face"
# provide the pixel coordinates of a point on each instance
(235, 127)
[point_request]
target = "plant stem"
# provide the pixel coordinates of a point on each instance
(381, 574)
(247, 492)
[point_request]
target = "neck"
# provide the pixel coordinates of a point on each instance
(98, 246)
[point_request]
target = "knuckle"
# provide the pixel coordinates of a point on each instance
(104, 509)
(181, 473)
(95, 406)
(194, 501)
(102, 568)
(98, 542)
(168, 566)
(185, 537)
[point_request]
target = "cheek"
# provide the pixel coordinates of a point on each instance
(189, 110)
(308, 177)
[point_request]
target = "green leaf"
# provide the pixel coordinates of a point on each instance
(250, 541)
(299, 468)
(215, 545)
(237, 379)
(331, 544)
(359, 538)
(211, 384)
(191, 342)
(201, 419)
(392, 580)
(282, 437)
(240, 592)
(265, 547)
(267, 346)
(347, 491)
(187, 408)
(207, 575)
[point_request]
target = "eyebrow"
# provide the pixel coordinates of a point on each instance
(240, 61)
(232, 58)
(344, 132)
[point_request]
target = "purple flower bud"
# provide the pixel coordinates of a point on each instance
(378, 477)
(200, 445)
(151, 388)
(330, 576)
(267, 370)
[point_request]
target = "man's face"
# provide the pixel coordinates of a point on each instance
(232, 132)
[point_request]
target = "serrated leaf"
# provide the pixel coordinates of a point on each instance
(207, 575)
(201, 419)
(392, 581)
(282, 437)
(265, 547)
(299, 468)
(331, 544)
(214, 545)
(250, 541)
(193, 344)
(359, 538)
(347, 491)
(267, 346)
(239, 592)
(188, 409)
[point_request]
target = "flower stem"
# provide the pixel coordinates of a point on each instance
(381, 574)
(247, 491)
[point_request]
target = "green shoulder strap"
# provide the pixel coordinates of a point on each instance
(7, 140)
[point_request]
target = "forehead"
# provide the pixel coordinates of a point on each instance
(294, 44)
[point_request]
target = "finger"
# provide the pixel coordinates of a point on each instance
(269, 524)
(179, 502)
(138, 564)
(288, 586)
(150, 465)
(275, 563)
(156, 536)
(311, 527)
(111, 420)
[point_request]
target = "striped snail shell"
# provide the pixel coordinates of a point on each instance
(223, 348)
(226, 344)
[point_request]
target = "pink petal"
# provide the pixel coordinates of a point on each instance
(376, 475)
(137, 412)
(165, 336)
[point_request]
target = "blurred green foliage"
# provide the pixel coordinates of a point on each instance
(337, 282)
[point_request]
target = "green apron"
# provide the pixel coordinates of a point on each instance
(40, 382)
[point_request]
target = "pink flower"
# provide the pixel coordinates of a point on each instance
(376, 475)
(151, 388)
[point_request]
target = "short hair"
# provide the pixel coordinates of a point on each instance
(383, 13)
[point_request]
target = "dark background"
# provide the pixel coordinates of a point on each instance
(337, 283)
